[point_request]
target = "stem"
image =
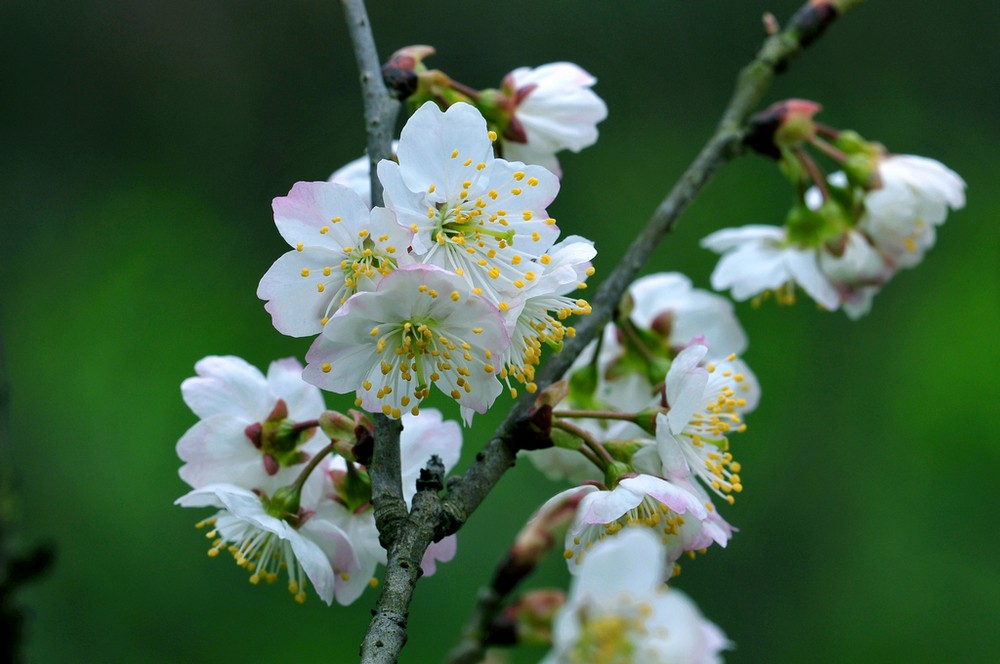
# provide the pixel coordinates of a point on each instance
(380, 108)
(595, 414)
(628, 328)
(311, 466)
(299, 427)
(814, 173)
(432, 517)
(604, 459)
(828, 150)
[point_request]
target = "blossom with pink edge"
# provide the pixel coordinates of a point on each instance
(638, 500)
(422, 326)
(264, 541)
(914, 197)
(246, 435)
(554, 109)
(475, 216)
(339, 248)
(620, 610)
(757, 259)
(706, 404)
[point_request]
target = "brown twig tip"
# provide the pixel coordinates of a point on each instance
(771, 26)
(534, 431)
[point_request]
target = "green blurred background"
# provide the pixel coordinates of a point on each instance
(143, 142)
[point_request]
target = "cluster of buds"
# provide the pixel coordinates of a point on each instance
(288, 477)
(850, 231)
(458, 281)
(536, 112)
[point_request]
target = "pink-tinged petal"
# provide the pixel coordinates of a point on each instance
(227, 385)
(443, 552)
(339, 558)
(311, 206)
(295, 302)
(675, 497)
(607, 506)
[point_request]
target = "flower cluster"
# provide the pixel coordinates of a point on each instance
(262, 454)
(647, 418)
(457, 282)
(850, 232)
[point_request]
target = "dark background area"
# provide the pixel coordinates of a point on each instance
(143, 142)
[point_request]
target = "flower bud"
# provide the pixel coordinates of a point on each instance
(786, 124)
(401, 71)
(528, 620)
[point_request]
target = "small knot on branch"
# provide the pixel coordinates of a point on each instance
(431, 476)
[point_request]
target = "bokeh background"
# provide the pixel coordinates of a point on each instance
(142, 143)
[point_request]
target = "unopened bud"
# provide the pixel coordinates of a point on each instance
(528, 620)
(401, 71)
(535, 540)
(785, 124)
(553, 394)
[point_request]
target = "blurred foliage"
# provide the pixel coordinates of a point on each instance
(143, 142)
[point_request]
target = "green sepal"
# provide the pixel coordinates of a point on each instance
(355, 488)
(284, 504)
(614, 472)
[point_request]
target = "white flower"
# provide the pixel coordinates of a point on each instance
(640, 500)
(758, 259)
(619, 610)
(422, 326)
(356, 175)
(667, 302)
(308, 549)
(234, 442)
(340, 248)
(481, 218)
(538, 312)
(915, 196)
(705, 405)
(554, 110)
(857, 273)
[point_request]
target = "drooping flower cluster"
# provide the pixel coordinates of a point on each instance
(850, 233)
(654, 407)
(262, 454)
(458, 282)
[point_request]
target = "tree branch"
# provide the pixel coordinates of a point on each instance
(432, 518)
